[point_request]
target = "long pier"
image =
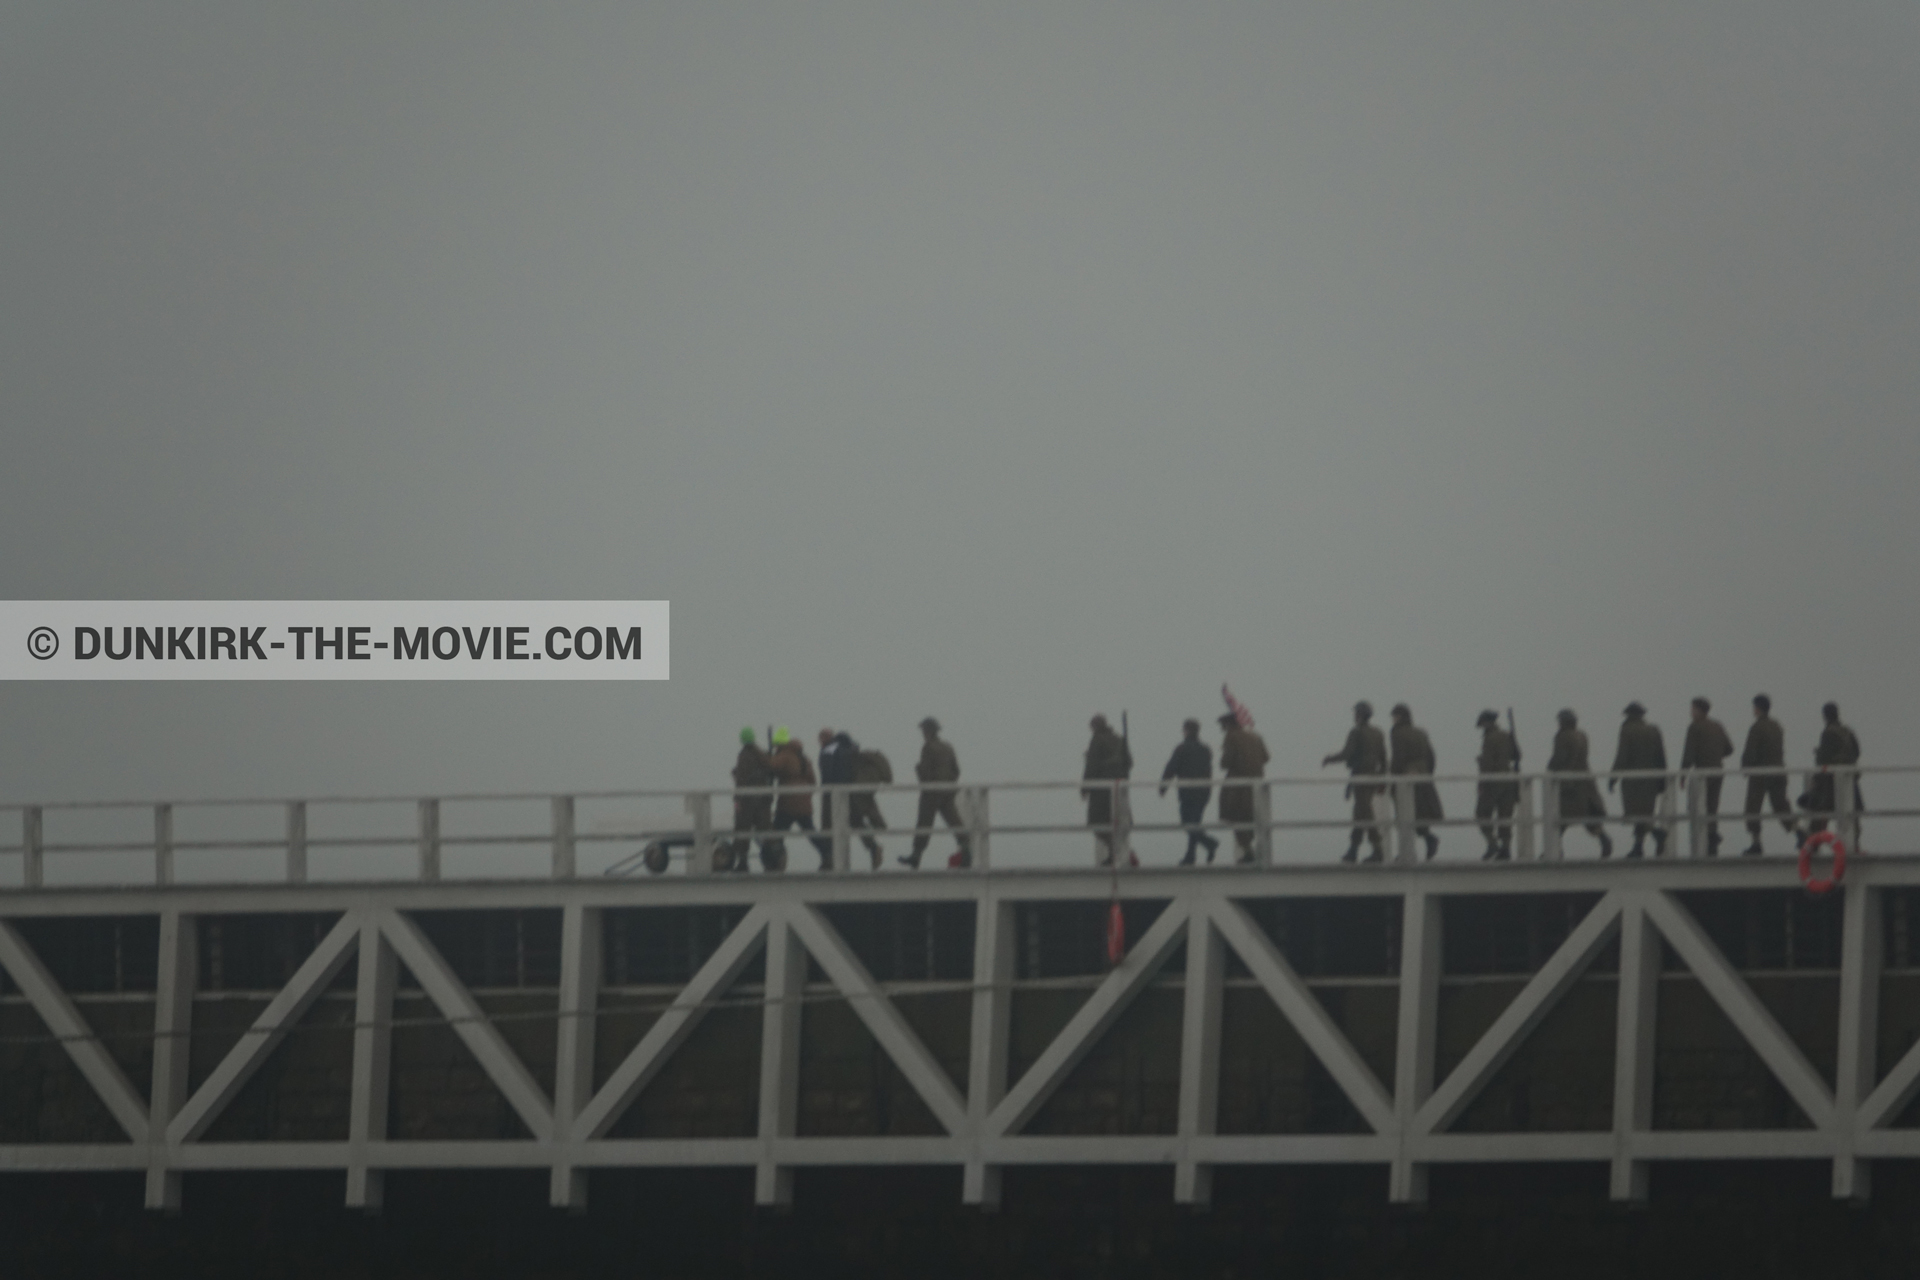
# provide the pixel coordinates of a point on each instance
(249, 1006)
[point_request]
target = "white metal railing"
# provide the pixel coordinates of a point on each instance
(1003, 825)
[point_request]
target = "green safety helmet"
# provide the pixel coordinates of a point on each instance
(781, 737)
(747, 736)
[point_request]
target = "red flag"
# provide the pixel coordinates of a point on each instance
(1241, 716)
(1116, 934)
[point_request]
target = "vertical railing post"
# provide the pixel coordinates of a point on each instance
(1402, 821)
(1550, 849)
(33, 854)
(1697, 816)
(163, 844)
(838, 800)
(700, 809)
(1846, 814)
(1122, 825)
(429, 840)
(296, 842)
(1262, 826)
(1522, 832)
(980, 828)
(563, 849)
(1664, 815)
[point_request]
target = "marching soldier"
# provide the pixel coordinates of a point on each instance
(751, 768)
(1192, 759)
(1107, 758)
(840, 759)
(1766, 749)
(1365, 755)
(1243, 754)
(1579, 798)
(1707, 747)
(937, 763)
(1838, 746)
(793, 804)
(1495, 800)
(1412, 752)
(1641, 747)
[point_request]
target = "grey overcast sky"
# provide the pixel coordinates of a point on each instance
(1004, 362)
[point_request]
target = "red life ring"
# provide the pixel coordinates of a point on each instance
(1824, 883)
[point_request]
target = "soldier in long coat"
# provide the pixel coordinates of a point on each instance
(1641, 747)
(1579, 797)
(1494, 801)
(751, 768)
(1707, 748)
(1365, 755)
(793, 805)
(1243, 754)
(1412, 753)
(1765, 758)
(1107, 758)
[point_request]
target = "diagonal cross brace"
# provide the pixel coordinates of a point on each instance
(1562, 969)
(64, 1020)
(285, 1009)
(483, 1039)
(882, 1017)
(1893, 1094)
(671, 1028)
(1736, 999)
(1306, 1014)
(1109, 1000)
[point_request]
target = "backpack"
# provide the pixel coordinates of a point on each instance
(872, 766)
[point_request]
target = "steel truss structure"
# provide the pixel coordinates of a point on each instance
(1408, 1117)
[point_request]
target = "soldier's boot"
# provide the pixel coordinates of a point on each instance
(911, 861)
(1379, 853)
(1353, 848)
(1506, 850)
(1754, 849)
(1213, 847)
(1659, 844)
(1433, 843)
(1186, 859)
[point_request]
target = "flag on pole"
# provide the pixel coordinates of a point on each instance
(1241, 716)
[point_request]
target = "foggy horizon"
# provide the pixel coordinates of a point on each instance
(1004, 365)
